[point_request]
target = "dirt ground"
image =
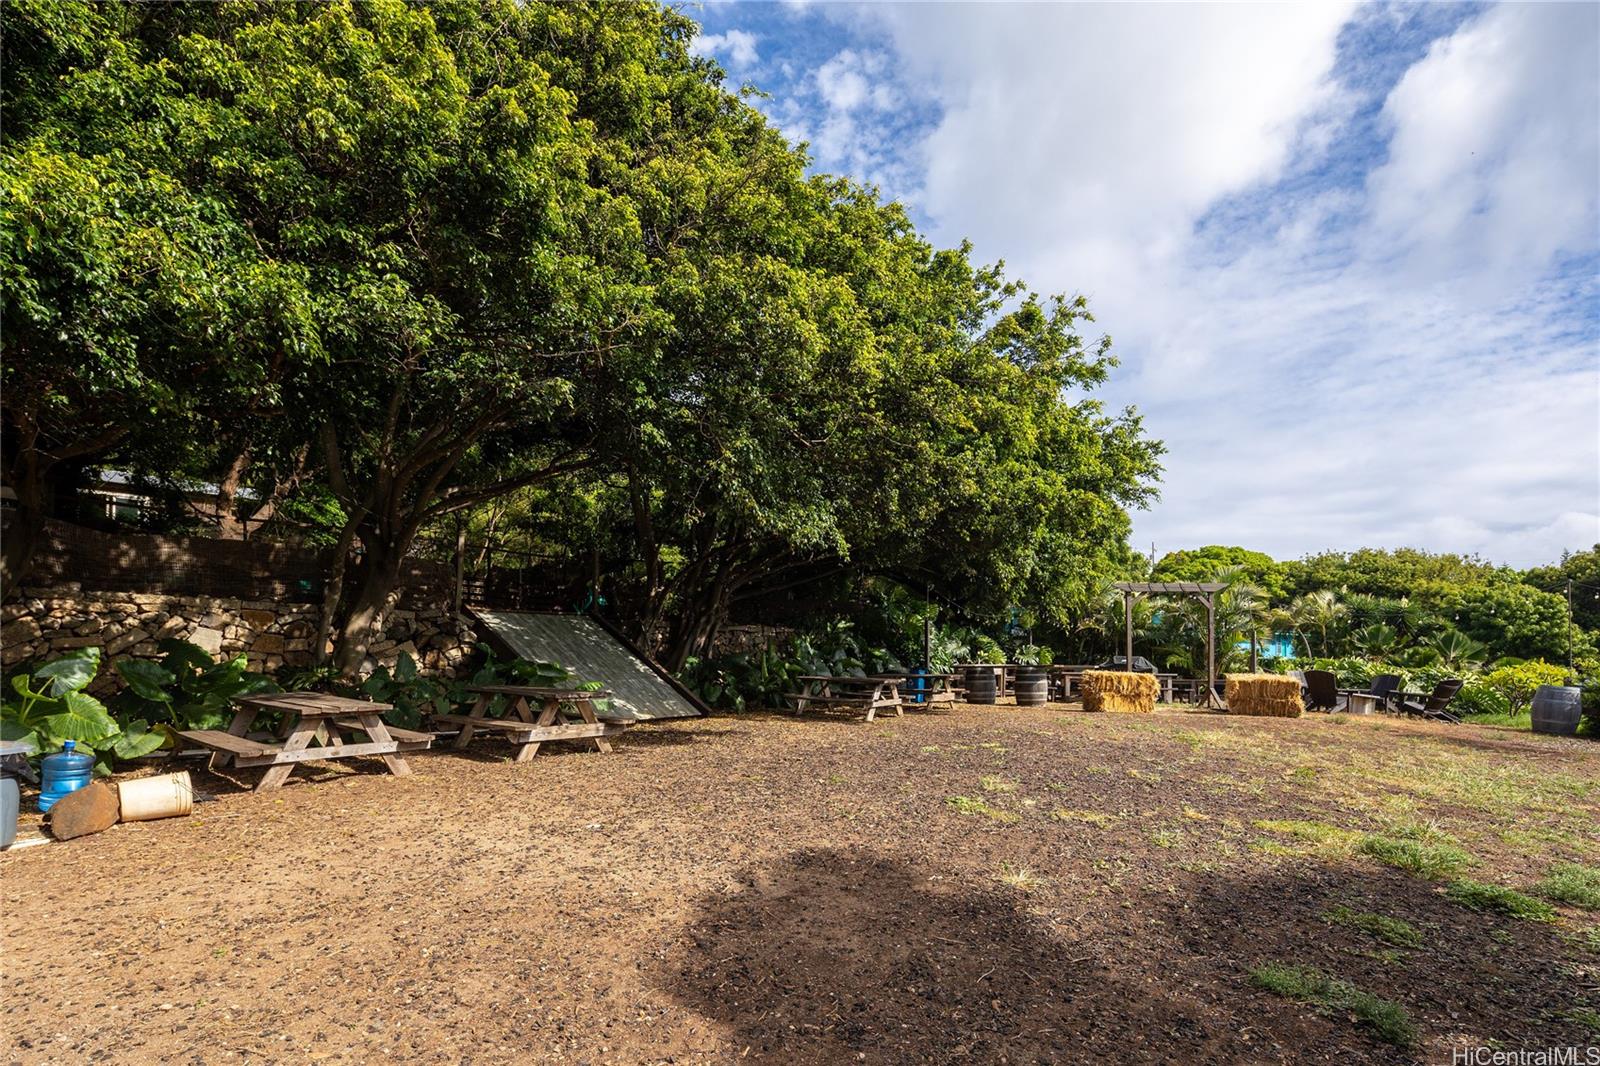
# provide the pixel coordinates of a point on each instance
(1018, 885)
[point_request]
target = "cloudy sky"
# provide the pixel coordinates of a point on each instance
(1349, 255)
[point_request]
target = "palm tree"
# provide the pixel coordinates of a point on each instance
(1456, 650)
(1319, 610)
(1238, 610)
(1377, 641)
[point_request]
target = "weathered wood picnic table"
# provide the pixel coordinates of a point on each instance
(554, 721)
(871, 694)
(316, 726)
(931, 688)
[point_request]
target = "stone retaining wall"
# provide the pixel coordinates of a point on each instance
(44, 622)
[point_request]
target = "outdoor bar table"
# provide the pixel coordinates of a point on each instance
(316, 726)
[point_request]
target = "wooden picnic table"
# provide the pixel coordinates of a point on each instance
(316, 726)
(936, 688)
(871, 694)
(564, 714)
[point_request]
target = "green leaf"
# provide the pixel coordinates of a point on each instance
(406, 668)
(183, 658)
(136, 739)
(84, 719)
(72, 672)
(148, 680)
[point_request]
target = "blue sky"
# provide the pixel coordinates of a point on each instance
(1348, 254)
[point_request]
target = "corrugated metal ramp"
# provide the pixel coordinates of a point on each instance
(584, 647)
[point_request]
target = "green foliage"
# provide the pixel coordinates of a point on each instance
(186, 688)
(1456, 650)
(746, 680)
(1203, 564)
(1582, 568)
(1306, 984)
(1499, 900)
(1518, 684)
(412, 695)
(1423, 857)
(47, 707)
(1381, 572)
(1394, 931)
(1572, 883)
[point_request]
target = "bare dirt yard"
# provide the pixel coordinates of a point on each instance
(1020, 885)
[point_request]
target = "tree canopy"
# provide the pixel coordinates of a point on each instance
(392, 263)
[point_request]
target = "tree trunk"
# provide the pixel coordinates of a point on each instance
(362, 620)
(25, 529)
(229, 527)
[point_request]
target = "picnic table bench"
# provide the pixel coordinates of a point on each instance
(871, 694)
(553, 722)
(935, 688)
(316, 726)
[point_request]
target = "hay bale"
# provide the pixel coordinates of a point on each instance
(1264, 695)
(1119, 691)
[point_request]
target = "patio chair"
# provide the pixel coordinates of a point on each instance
(1436, 704)
(1384, 687)
(1382, 690)
(1322, 692)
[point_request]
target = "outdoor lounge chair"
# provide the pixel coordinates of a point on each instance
(1322, 692)
(1436, 705)
(1382, 690)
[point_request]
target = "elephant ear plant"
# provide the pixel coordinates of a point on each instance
(48, 707)
(185, 689)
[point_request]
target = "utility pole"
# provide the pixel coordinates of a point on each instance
(1569, 629)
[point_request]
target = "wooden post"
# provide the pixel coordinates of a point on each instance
(1127, 617)
(927, 644)
(1211, 649)
(461, 563)
(1255, 666)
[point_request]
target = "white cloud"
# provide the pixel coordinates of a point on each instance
(1382, 364)
(1488, 173)
(737, 46)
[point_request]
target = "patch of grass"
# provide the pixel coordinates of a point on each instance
(1587, 1017)
(1430, 860)
(1571, 883)
(1019, 877)
(997, 784)
(1321, 834)
(1499, 899)
(1167, 838)
(1390, 930)
(1196, 816)
(1306, 984)
(967, 805)
(1095, 818)
(1142, 775)
(930, 749)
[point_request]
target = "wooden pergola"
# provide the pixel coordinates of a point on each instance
(1206, 591)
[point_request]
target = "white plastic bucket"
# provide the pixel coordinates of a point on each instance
(166, 796)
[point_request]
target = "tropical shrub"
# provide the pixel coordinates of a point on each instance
(186, 688)
(48, 706)
(1517, 684)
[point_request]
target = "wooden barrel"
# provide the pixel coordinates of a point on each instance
(1032, 686)
(981, 686)
(1556, 709)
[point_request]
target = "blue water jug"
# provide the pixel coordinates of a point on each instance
(65, 771)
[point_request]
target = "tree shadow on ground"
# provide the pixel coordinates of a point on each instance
(834, 954)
